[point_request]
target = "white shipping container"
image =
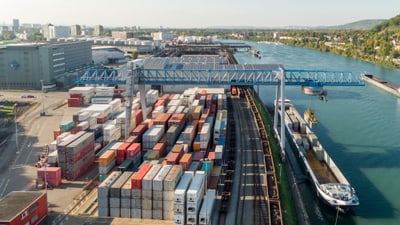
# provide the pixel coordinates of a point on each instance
(147, 204)
(115, 212)
(157, 214)
(180, 191)
(159, 178)
(136, 213)
(136, 203)
(115, 202)
(102, 211)
(157, 195)
(179, 219)
(172, 179)
(196, 188)
(147, 214)
(147, 194)
(125, 212)
(126, 203)
(147, 182)
(103, 189)
(207, 208)
(168, 195)
(157, 205)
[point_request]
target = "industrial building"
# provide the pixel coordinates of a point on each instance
(23, 66)
(23, 207)
(76, 30)
(122, 34)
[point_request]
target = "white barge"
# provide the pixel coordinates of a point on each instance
(383, 84)
(330, 184)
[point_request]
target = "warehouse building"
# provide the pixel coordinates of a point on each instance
(24, 66)
(23, 207)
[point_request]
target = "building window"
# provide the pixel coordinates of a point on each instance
(35, 205)
(34, 218)
(24, 215)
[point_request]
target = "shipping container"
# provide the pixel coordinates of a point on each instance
(207, 208)
(181, 189)
(137, 177)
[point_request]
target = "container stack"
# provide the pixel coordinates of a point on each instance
(136, 194)
(115, 196)
(106, 163)
(126, 196)
(50, 174)
(103, 193)
(76, 154)
(170, 182)
(147, 192)
(152, 136)
(180, 198)
(207, 207)
(194, 197)
(79, 96)
(158, 189)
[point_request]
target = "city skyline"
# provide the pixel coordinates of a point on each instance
(189, 14)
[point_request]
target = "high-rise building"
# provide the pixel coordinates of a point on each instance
(59, 32)
(98, 30)
(15, 25)
(45, 30)
(76, 30)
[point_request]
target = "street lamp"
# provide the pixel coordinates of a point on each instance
(16, 127)
(280, 172)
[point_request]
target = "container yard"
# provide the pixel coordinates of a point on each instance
(161, 170)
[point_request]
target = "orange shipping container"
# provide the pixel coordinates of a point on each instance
(211, 155)
(106, 158)
(138, 116)
(160, 147)
(56, 133)
(178, 148)
(138, 176)
(133, 139)
(185, 161)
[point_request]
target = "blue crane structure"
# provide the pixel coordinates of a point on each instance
(214, 71)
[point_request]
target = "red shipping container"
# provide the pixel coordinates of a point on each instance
(165, 97)
(173, 158)
(195, 124)
(197, 156)
(118, 91)
(121, 151)
(138, 116)
(137, 177)
(50, 172)
(75, 95)
(212, 182)
(159, 102)
(185, 161)
(160, 147)
(57, 132)
(139, 130)
(133, 150)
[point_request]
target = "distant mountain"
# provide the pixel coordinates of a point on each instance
(359, 25)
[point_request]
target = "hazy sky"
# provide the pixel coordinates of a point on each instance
(199, 14)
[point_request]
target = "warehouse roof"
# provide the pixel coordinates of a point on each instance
(16, 202)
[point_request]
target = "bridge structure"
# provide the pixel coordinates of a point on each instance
(215, 71)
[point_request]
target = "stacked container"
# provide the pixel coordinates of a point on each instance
(194, 197)
(152, 136)
(106, 163)
(158, 189)
(115, 196)
(170, 182)
(147, 192)
(180, 198)
(103, 194)
(136, 195)
(207, 207)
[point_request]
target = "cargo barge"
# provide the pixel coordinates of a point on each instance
(383, 84)
(330, 184)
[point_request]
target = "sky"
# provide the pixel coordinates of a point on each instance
(196, 14)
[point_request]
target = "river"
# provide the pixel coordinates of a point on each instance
(358, 126)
